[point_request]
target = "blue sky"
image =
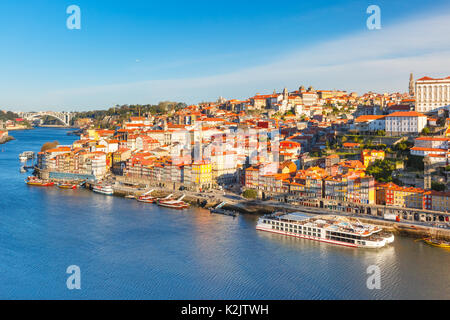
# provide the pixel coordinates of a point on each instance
(147, 51)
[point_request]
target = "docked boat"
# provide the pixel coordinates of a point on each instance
(173, 204)
(33, 181)
(147, 198)
(103, 189)
(328, 229)
(67, 186)
(437, 243)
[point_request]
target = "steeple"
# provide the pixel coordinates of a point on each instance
(411, 85)
(285, 94)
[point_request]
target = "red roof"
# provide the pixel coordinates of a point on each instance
(406, 114)
(428, 79)
(429, 149)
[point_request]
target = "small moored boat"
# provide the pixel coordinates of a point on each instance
(174, 204)
(67, 186)
(33, 181)
(437, 243)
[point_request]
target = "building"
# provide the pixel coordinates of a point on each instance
(431, 146)
(3, 134)
(409, 122)
(201, 174)
(391, 194)
(432, 93)
(368, 157)
(370, 123)
(437, 201)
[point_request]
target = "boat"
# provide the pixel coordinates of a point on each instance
(67, 186)
(389, 237)
(437, 243)
(103, 189)
(147, 198)
(22, 169)
(173, 204)
(329, 229)
(130, 196)
(33, 181)
(23, 158)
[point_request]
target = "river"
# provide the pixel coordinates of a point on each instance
(131, 250)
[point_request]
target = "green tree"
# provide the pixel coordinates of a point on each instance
(250, 194)
(381, 170)
(426, 131)
(436, 186)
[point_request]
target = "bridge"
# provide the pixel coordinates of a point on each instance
(63, 117)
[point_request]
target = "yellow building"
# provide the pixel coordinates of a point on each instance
(368, 157)
(93, 134)
(202, 174)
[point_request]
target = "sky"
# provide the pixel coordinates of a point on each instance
(142, 52)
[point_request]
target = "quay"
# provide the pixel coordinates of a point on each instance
(410, 222)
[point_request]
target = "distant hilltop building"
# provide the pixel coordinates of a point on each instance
(432, 94)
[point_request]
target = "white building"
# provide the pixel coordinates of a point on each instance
(434, 147)
(370, 123)
(405, 122)
(432, 93)
(309, 98)
(98, 164)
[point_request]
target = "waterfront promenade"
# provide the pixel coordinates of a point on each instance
(412, 222)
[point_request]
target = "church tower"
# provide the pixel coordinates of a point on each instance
(411, 85)
(285, 94)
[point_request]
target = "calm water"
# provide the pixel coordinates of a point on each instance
(130, 250)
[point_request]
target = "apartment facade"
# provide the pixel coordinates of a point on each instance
(432, 93)
(410, 122)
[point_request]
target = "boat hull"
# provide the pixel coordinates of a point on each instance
(40, 184)
(436, 244)
(67, 186)
(173, 206)
(108, 191)
(374, 246)
(146, 200)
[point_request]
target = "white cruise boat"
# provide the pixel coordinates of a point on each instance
(103, 189)
(329, 229)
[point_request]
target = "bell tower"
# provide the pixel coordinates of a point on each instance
(411, 85)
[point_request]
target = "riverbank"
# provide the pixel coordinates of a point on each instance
(256, 207)
(6, 139)
(208, 200)
(56, 126)
(18, 128)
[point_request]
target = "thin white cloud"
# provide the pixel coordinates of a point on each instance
(378, 60)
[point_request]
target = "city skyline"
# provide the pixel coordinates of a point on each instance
(78, 70)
